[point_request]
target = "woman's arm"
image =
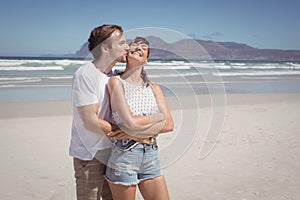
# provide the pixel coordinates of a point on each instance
(161, 102)
(141, 127)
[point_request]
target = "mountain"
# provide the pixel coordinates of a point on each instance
(83, 51)
(206, 50)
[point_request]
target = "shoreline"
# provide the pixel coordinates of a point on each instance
(60, 90)
(61, 108)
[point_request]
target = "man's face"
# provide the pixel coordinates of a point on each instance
(119, 48)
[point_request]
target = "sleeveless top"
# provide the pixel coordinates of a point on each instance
(141, 101)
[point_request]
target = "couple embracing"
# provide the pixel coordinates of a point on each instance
(116, 119)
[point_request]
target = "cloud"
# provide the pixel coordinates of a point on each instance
(207, 37)
(213, 35)
(192, 35)
(217, 34)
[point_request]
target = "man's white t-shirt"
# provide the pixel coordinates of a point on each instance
(89, 87)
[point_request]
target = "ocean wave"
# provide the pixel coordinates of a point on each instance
(70, 62)
(3, 79)
(222, 66)
(295, 66)
(22, 61)
(257, 73)
(27, 68)
(172, 63)
(258, 67)
(167, 67)
(38, 65)
(174, 75)
(158, 67)
(11, 82)
(58, 77)
(58, 69)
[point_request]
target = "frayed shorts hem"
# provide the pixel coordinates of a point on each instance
(148, 178)
(122, 183)
(132, 183)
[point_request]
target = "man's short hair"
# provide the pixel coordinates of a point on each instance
(99, 36)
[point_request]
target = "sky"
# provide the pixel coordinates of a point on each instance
(39, 27)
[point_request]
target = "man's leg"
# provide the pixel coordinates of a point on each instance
(106, 192)
(89, 177)
(103, 156)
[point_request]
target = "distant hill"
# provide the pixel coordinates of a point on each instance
(206, 50)
(83, 51)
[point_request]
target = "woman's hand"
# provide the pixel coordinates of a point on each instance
(120, 135)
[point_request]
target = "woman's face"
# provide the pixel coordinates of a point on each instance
(138, 52)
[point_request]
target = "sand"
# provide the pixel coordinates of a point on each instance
(257, 155)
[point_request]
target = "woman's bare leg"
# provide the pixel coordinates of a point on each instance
(154, 189)
(122, 192)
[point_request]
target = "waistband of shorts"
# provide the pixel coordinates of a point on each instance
(136, 146)
(146, 146)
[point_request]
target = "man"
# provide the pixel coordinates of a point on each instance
(89, 144)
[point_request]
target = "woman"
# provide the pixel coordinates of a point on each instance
(140, 110)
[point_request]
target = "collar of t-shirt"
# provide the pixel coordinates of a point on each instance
(114, 73)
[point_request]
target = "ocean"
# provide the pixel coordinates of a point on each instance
(49, 79)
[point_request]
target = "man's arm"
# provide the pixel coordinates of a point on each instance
(91, 122)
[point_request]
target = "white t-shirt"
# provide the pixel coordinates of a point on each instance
(89, 87)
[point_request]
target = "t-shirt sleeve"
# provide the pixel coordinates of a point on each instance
(84, 91)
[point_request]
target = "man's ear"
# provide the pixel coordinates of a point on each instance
(104, 48)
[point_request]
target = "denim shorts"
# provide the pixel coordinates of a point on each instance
(129, 167)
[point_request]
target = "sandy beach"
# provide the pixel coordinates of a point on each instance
(257, 155)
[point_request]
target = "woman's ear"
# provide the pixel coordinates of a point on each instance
(146, 61)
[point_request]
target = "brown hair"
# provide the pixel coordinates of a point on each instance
(99, 36)
(142, 40)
